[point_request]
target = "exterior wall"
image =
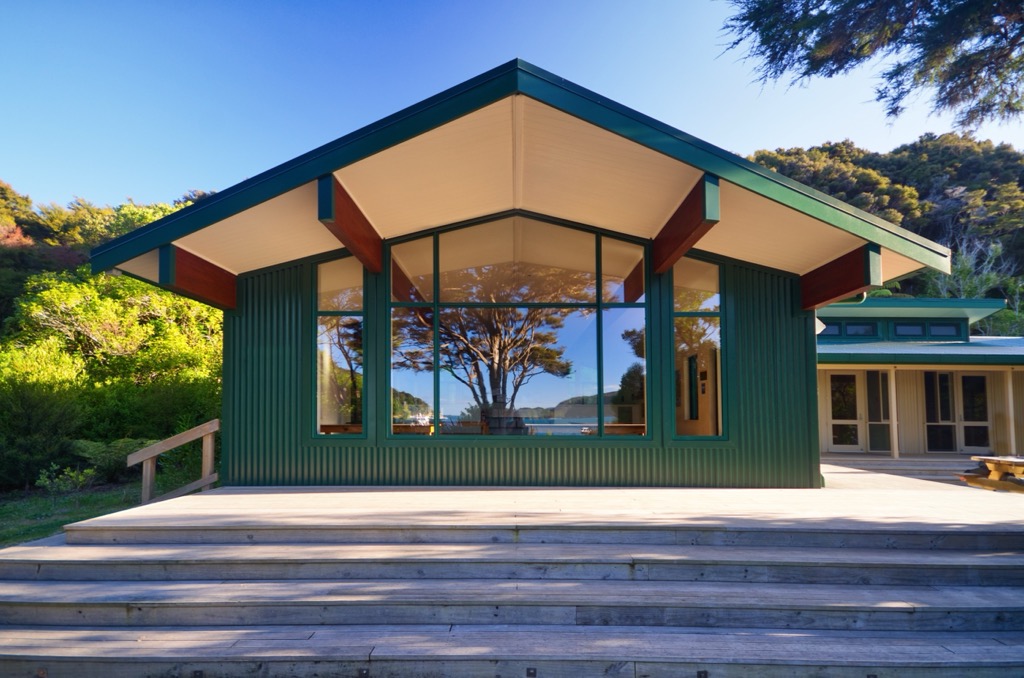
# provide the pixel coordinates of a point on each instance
(910, 399)
(823, 409)
(1000, 413)
(769, 406)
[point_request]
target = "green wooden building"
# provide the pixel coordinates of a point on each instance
(519, 282)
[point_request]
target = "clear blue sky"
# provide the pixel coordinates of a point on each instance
(143, 99)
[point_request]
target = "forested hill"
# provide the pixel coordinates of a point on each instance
(963, 193)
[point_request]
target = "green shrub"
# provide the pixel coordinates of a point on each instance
(109, 459)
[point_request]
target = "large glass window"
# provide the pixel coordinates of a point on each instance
(698, 346)
(339, 364)
(498, 329)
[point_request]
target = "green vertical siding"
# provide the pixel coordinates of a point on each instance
(769, 405)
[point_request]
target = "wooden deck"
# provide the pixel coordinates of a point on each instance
(873, 575)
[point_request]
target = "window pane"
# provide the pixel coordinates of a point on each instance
(412, 371)
(625, 376)
(861, 329)
(518, 371)
(878, 438)
(909, 330)
(412, 266)
(698, 398)
(843, 389)
(976, 436)
(518, 260)
(340, 285)
(845, 434)
(941, 438)
(944, 330)
(831, 330)
(339, 374)
(696, 285)
(622, 269)
(975, 397)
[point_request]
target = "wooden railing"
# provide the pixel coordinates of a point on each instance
(147, 456)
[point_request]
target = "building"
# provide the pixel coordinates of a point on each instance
(519, 282)
(905, 376)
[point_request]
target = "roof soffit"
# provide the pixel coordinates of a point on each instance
(600, 163)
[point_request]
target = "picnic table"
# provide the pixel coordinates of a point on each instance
(997, 473)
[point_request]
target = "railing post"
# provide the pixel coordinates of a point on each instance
(207, 459)
(148, 478)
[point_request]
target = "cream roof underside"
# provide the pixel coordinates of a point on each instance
(519, 153)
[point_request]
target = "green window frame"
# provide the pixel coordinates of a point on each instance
(340, 364)
(435, 308)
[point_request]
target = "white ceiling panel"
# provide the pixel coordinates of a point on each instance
(279, 230)
(458, 171)
(574, 170)
(763, 232)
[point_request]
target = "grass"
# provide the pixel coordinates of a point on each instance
(25, 516)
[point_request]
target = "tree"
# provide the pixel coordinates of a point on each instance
(839, 170)
(494, 351)
(969, 52)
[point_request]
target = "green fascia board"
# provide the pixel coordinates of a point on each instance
(880, 308)
(889, 359)
(519, 77)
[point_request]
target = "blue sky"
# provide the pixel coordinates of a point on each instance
(146, 100)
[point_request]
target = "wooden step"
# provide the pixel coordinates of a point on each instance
(526, 650)
(175, 562)
(481, 601)
(260, 532)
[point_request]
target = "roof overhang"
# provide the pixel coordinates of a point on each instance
(518, 138)
(971, 310)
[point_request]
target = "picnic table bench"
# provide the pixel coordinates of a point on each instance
(997, 473)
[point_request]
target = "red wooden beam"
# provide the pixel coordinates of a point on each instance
(694, 217)
(854, 272)
(196, 278)
(342, 217)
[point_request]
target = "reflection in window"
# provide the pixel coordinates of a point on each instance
(625, 372)
(698, 344)
(517, 260)
(499, 368)
(695, 286)
(339, 365)
(511, 344)
(340, 374)
(622, 270)
(412, 369)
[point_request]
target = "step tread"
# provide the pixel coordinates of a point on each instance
(630, 554)
(478, 592)
(647, 645)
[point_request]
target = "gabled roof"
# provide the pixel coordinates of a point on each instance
(520, 139)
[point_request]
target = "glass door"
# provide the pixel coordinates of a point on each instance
(845, 427)
(940, 424)
(974, 424)
(878, 411)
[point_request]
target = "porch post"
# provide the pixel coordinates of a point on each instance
(1011, 448)
(894, 438)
